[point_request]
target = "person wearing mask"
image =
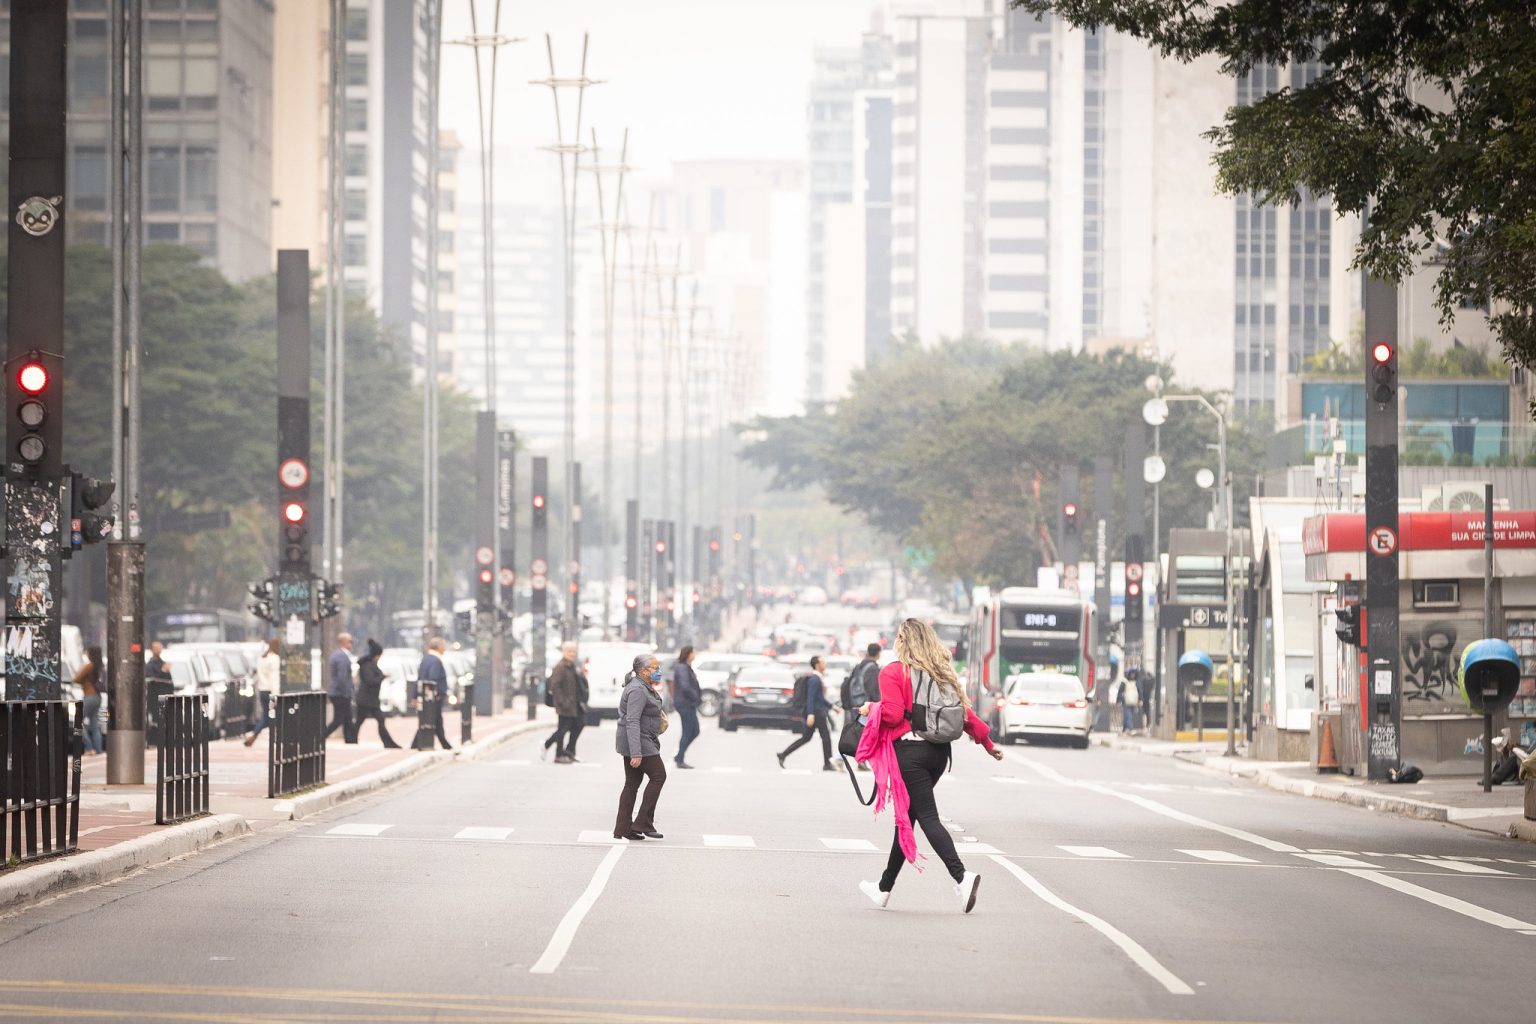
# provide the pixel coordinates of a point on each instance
(269, 683)
(565, 691)
(433, 671)
(686, 696)
(338, 687)
(92, 682)
(817, 707)
(907, 766)
(639, 744)
(370, 678)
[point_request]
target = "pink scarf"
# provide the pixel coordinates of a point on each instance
(877, 746)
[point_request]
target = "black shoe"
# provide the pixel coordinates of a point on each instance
(447, 746)
(628, 835)
(683, 764)
(829, 767)
(562, 759)
(653, 834)
(391, 746)
(781, 759)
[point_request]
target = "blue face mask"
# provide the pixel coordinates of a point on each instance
(656, 676)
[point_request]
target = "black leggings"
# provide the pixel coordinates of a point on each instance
(922, 765)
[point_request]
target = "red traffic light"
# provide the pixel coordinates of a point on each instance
(630, 602)
(1381, 352)
(714, 545)
(1069, 509)
(538, 501)
(293, 512)
(485, 575)
(32, 378)
(661, 547)
(1133, 589)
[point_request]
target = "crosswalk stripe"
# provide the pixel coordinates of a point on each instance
(356, 830)
(1220, 856)
(597, 836)
(984, 848)
(1464, 867)
(863, 845)
(1010, 780)
(736, 842)
(1333, 860)
(479, 832)
(1091, 851)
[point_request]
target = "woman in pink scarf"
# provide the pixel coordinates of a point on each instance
(907, 767)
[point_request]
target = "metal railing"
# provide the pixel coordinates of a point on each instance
(40, 751)
(181, 763)
(296, 746)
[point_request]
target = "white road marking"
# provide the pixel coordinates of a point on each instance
(598, 836)
(975, 847)
(511, 763)
(1333, 860)
(1451, 903)
(356, 830)
(1220, 856)
(1137, 953)
(862, 845)
(1464, 867)
(560, 942)
(1155, 807)
(735, 842)
(796, 771)
(478, 832)
(1091, 851)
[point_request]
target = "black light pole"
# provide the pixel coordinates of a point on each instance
(1383, 743)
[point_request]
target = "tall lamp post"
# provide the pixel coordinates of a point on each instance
(1155, 413)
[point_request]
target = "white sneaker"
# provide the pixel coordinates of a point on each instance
(965, 890)
(872, 890)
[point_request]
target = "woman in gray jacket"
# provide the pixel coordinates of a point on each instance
(638, 742)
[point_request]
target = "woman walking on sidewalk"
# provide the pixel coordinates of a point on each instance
(639, 744)
(907, 765)
(91, 680)
(269, 683)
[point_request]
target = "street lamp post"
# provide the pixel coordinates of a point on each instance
(1155, 412)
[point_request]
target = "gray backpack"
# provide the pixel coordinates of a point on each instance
(937, 715)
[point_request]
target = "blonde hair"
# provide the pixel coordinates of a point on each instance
(918, 647)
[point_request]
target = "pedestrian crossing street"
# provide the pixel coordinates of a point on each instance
(1508, 867)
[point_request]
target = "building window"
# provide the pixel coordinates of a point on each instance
(88, 178)
(202, 180)
(164, 234)
(357, 24)
(357, 114)
(357, 160)
(163, 179)
(357, 69)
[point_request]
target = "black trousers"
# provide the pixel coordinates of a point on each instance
(645, 821)
(341, 715)
(564, 737)
(922, 765)
(442, 736)
(820, 726)
(376, 713)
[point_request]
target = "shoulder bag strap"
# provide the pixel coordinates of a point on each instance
(858, 793)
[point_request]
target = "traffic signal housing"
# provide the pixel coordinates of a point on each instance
(1383, 373)
(261, 599)
(1133, 603)
(87, 496)
(35, 428)
(1347, 628)
(327, 599)
(1069, 517)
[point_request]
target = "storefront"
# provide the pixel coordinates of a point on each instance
(1441, 601)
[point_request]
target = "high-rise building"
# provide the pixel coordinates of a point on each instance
(207, 129)
(450, 151)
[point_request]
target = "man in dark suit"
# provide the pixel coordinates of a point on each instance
(433, 671)
(817, 707)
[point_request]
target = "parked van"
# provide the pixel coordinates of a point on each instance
(606, 665)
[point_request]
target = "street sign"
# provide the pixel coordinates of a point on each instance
(1133, 571)
(293, 473)
(539, 567)
(540, 581)
(484, 556)
(1383, 541)
(1192, 616)
(506, 577)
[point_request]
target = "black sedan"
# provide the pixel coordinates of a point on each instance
(759, 695)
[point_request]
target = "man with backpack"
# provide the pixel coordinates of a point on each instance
(811, 705)
(862, 686)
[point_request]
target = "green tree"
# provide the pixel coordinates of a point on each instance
(1423, 117)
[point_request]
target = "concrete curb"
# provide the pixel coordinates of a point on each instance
(28, 885)
(1357, 797)
(333, 795)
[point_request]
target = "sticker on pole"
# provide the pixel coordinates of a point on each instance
(1382, 541)
(484, 556)
(293, 473)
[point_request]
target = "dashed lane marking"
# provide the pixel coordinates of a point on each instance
(479, 832)
(1129, 946)
(1465, 867)
(1093, 851)
(860, 845)
(730, 842)
(356, 830)
(1220, 856)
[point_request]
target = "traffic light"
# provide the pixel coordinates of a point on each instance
(261, 599)
(327, 599)
(661, 547)
(630, 602)
(1069, 517)
(539, 509)
(36, 406)
(1347, 628)
(1133, 603)
(1383, 373)
(87, 496)
(485, 595)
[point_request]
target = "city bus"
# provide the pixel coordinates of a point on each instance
(1024, 629)
(202, 626)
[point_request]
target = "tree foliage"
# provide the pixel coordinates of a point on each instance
(1423, 118)
(958, 449)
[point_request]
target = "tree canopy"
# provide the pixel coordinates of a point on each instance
(1423, 118)
(958, 449)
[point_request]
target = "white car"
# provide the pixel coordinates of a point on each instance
(1040, 704)
(606, 665)
(713, 669)
(813, 596)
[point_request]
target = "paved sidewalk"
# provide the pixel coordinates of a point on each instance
(1458, 799)
(117, 823)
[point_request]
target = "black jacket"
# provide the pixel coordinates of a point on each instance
(369, 677)
(685, 686)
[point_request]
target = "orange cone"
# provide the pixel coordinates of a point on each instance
(1327, 756)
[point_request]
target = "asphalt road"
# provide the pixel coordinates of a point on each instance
(1114, 887)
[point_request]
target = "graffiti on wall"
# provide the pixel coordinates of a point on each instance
(1429, 663)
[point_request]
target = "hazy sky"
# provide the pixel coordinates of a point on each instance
(689, 78)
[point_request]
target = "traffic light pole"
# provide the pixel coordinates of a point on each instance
(1384, 712)
(292, 598)
(484, 516)
(538, 579)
